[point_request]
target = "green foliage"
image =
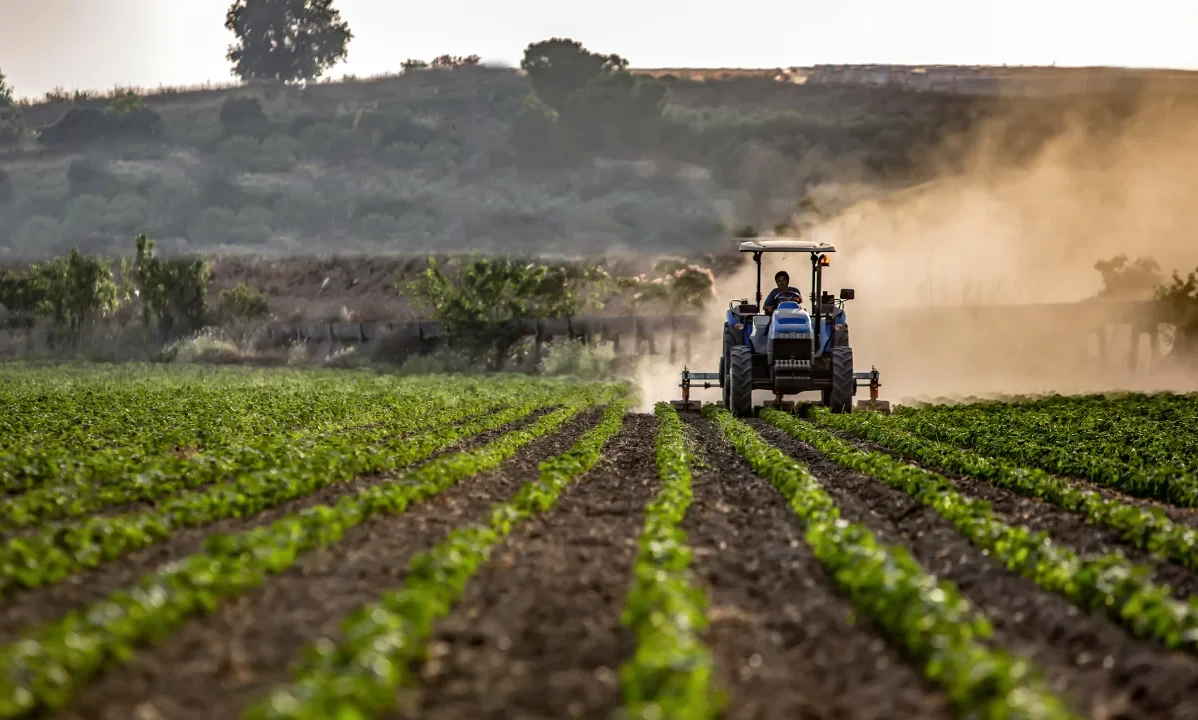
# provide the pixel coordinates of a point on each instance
(286, 40)
(558, 67)
(360, 677)
(57, 660)
(6, 98)
(243, 115)
(71, 291)
(672, 673)
(926, 616)
(535, 131)
(681, 287)
(241, 303)
(174, 293)
(486, 303)
(1109, 583)
(1146, 527)
(127, 117)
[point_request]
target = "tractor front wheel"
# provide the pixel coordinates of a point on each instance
(740, 381)
(839, 398)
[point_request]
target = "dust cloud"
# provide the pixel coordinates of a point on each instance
(941, 269)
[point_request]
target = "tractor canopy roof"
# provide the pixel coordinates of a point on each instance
(781, 244)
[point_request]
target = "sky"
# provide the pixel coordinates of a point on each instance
(101, 44)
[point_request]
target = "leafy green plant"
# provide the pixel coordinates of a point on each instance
(174, 293)
(671, 674)
(927, 617)
(241, 303)
(1148, 528)
(487, 303)
(359, 678)
(1110, 583)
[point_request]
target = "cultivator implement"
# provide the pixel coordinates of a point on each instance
(871, 379)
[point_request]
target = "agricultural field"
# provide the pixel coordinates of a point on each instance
(198, 542)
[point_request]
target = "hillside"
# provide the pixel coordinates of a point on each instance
(438, 160)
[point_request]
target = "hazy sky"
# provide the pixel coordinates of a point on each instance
(98, 44)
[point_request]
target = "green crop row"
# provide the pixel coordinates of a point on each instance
(1110, 583)
(1133, 431)
(126, 480)
(215, 428)
(1109, 464)
(671, 674)
(52, 663)
(58, 552)
(929, 620)
(1149, 529)
(169, 410)
(359, 678)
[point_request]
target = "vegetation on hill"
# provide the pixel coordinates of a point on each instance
(571, 154)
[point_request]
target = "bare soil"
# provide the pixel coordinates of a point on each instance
(538, 634)
(215, 666)
(26, 608)
(1100, 667)
(784, 642)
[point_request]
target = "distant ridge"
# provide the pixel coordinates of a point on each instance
(964, 79)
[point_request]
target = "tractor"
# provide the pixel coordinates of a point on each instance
(790, 350)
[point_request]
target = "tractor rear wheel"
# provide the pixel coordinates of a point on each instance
(740, 381)
(839, 398)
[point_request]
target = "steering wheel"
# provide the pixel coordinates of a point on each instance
(784, 296)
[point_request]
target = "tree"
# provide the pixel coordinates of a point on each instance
(486, 303)
(559, 66)
(5, 91)
(286, 40)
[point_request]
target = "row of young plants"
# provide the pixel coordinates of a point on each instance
(56, 552)
(359, 677)
(927, 618)
(112, 482)
(671, 674)
(1135, 431)
(52, 663)
(1146, 528)
(120, 430)
(1110, 584)
(1111, 463)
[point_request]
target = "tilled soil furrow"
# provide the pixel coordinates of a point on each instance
(1102, 669)
(538, 632)
(1064, 527)
(781, 633)
(215, 666)
(29, 607)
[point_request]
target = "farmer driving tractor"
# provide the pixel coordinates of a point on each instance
(784, 289)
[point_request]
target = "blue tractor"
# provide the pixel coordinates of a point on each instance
(789, 350)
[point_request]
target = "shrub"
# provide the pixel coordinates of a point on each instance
(277, 154)
(79, 126)
(86, 176)
(243, 115)
(174, 293)
(239, 152)
(214, 226)
(376, 226)
(577, 359)
(241, 304)
(252, 225)
(6, 192)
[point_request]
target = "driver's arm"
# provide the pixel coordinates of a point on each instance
(770, 302)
